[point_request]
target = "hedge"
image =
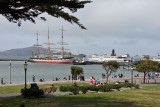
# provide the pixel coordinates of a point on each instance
(103, 88)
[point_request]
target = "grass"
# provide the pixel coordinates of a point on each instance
(17, 88)
(146, 96)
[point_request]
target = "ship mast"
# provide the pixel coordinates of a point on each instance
(49, 50)
(49, 44)
(62, 43)
(37, 47)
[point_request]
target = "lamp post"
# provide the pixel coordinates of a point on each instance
(10, 63)
(132, 74)
(25, 69)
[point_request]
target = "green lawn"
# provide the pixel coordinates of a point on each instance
(147, 96)
(17, 88)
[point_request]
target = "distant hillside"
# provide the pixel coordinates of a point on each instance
(25, 52)
(20, 52)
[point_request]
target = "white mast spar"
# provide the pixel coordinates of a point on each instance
(62, 43)
(36, 54)
(49, 44)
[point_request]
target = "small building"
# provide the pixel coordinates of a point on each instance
(145, 57)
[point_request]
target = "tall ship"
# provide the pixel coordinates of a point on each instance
(61, 57)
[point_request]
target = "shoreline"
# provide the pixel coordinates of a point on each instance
(136, 80)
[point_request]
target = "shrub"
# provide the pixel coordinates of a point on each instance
(116, 86)
(93, 88)
(130, 85)
(103, 88)
(108, 87)
(136, 86)
(64, 88)
(32, 93)
(84, 89)
(73, 89)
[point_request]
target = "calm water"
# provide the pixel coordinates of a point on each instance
(49, 71)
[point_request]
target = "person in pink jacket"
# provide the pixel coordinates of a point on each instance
(91, 82)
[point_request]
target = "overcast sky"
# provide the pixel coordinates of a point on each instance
(128, 26)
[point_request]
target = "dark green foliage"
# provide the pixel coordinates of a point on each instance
(73, 89)
(32, 93)
(116, 86)
(103, 88)
(75, 70)
(130, 85)
(148, 66)
(110, 66)
(84, 89)
(136, 86)
(17, 10)
(93, 88)
(64, 88)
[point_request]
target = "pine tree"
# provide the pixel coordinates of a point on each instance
(17, 11)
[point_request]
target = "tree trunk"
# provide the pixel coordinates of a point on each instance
(72, 79)
(144, 77)
(107, 77)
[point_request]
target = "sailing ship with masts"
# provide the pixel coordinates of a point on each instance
(52, 58)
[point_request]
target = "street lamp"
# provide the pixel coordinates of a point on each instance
(132, 74)
(10, 62)
(25, 69)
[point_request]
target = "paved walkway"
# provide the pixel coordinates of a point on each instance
(9, 95)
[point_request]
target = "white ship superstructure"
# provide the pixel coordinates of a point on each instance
(104, 58)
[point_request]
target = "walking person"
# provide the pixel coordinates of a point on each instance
(1, 80)
(33, 77)
(69, 77)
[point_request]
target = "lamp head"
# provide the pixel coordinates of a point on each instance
(25, 65)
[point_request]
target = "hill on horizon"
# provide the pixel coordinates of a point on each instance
(24, 52)
(20, 52)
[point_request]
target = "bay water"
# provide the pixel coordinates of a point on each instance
(50, 71)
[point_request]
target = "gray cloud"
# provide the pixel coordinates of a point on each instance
(112, 24)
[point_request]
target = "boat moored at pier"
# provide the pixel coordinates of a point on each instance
(52, 57)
